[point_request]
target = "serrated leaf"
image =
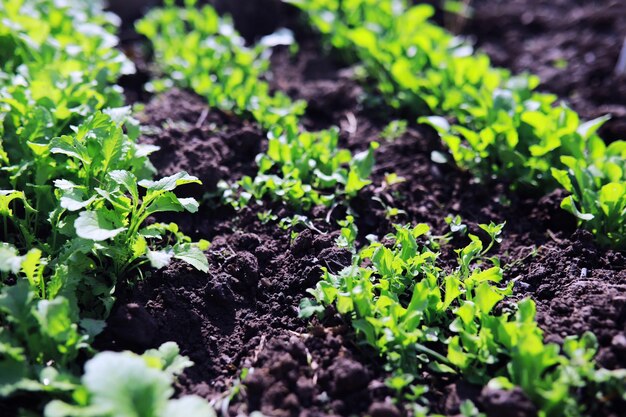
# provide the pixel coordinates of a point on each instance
(30, 264)
(119, 115)
(308, 308)
(139, 246)
(7, 196)
(486, 297)
(67, 145)
(111, 148)
(171, 361)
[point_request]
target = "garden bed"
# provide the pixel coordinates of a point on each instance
(244, 314)
(240, 323)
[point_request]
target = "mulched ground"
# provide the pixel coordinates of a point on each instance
(243, 313)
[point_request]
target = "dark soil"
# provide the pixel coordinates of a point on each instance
(243, 313)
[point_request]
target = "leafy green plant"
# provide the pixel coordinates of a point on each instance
(394, 130)
(310, 166)
(128, 385)
(59, 66)
(597, 185)
(401, 302)
(39, 341)
(202, 51)
(76, 190)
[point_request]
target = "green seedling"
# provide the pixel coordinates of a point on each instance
(402, 302)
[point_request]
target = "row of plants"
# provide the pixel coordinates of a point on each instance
(423, 316)
(197, 49)
(75, 192)
(398, 297)
(494, 124)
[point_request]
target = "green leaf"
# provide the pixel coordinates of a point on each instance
(612, 198)
(591, 127)
(440, 124)
(58, 408)
(7, 196)
(171, 360)
(54, 318)
(111, 149)
(164, 203)
(92, 327)
(127, 180)
(95, 226)
(486, 297)
(68, 145)
(188, 406)
(192, 255)
(355, 183)
(31, 263)
(125, 386)
(17, 301)
(10, 260)
(456, 355)
(169, 183)
(13, 368)
(364, 161)
(73, 200)
(189, 204)
(309, 307)
(569, 205)
(453, 290)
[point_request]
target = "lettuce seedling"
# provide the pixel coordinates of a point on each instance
(597, 184)
(203, 52)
